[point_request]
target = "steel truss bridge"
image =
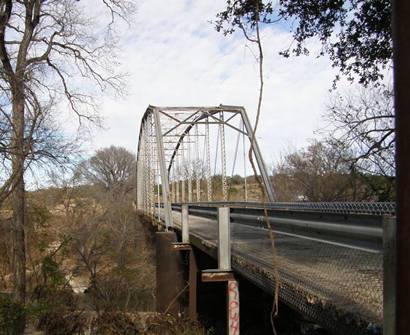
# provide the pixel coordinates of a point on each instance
(325, 260)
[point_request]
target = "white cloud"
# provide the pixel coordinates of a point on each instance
(175, 57)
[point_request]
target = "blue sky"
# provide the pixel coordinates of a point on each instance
(174, 56)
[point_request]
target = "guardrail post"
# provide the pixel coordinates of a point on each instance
(185, 223)
(224, 243)
(224, 272)
(389, 275)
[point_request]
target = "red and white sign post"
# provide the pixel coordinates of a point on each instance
(233, 307)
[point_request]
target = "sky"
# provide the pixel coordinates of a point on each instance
(175, 57)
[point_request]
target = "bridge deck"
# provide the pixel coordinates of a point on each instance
(338, 287)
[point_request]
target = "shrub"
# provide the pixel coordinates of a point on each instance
(62, 323)
(161, 324)
(12, 317)
(112, 323)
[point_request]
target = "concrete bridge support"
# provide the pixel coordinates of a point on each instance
(169, 274)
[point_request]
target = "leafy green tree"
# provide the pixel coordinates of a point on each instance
(355, 34)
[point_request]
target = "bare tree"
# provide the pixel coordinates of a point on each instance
(323, 171)
(46, 47)
(192, 169)
(318, 173)
(47, 146)
(113, 168)
(363, 120)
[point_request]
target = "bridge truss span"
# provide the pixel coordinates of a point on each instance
(195, 154)
(333, 262)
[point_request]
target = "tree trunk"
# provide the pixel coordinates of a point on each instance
(18, 197)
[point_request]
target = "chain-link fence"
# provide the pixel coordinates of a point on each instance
(330, 263)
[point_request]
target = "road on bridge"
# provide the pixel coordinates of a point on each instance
(339, 287)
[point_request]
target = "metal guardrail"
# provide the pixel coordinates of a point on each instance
(373, 208)
(362, 229)
(364, 270)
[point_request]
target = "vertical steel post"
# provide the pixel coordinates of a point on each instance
(223, 158)
(158, 195)
(142, 149)
(197, 177)
(224, 243)
(189, 169)
(177, 179)
(185, 223)
(258, 156)
(147, 169)
(183, 174)
(146, 178)
(163, 170)
(173, 186)
(140, 174)
(152, 168)
(244, 163)
(208, 163)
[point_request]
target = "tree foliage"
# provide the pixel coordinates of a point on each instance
(323, 171)
(244, 14)
(318, 173)
(355, 34)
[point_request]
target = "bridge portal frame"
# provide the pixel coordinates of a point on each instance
(152, 127)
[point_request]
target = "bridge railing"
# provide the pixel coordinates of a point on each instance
(351, 256)
(223, 217)
(361, 231)
(338, 251)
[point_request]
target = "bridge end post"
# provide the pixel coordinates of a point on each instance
(163, 171)
(258, 155)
